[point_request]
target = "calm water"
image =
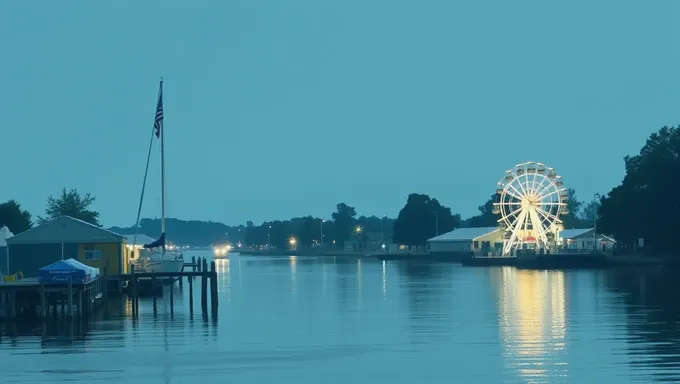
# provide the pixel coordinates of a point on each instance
(311, 320)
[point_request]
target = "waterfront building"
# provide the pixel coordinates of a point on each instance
(477, 240)
(64, 238)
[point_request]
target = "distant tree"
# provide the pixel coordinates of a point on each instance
(16, 219)
(344, 220)
(70, 203)
(486, 217)
(420, 218)
(572, 219)
(308, 231)
(589, 211)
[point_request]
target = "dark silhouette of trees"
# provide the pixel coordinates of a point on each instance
(70, 203)
(423, 218)
(16, 219)
(344, 220)
(645, 205)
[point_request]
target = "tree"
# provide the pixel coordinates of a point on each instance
(645, 204)
(486, 217)
(16, 219)
(571, 219)
(423, 218)
(589, 212)
(344, 220)
(70, 203)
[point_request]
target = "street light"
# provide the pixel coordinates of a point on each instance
(358, 229)
(268, 236)
(321, 239)
(292, 241)
(595, 197)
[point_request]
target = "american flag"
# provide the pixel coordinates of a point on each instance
(158, 121)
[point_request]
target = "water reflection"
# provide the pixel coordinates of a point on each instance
(651, 298)
(532, 322)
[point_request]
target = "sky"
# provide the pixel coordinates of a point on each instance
(278, 109)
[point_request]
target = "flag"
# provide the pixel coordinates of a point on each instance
(158, 121)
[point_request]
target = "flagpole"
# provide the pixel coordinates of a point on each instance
(162, 131)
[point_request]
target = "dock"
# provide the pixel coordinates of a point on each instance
(31, 298)
(200, 269)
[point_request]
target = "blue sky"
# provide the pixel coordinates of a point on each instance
(284, 108)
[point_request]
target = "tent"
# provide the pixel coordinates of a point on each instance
(5, 234)
(61, 270)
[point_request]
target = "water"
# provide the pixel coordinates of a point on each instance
(311, 320)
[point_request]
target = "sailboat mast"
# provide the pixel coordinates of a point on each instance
(160, 101)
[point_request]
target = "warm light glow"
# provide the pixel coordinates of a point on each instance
(358, 229)
(292, 240)
(532, 317)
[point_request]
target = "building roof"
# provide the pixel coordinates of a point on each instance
(66, 229)
(573, 233)
(464, 234)
(141, 239)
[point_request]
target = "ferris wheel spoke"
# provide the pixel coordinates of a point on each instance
(533, 183)
(541, 187)
(540, 229)
(558, 190)
(545, 188)
(517, 196)
(513, 213)
(548, 214)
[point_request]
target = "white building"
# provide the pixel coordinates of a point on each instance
(481, 240)
(582, 239)
(5, 234)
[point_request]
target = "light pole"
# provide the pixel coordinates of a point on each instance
(595, 197)
(268, 236)
(382, 229)
(436, 223)
(321, 239)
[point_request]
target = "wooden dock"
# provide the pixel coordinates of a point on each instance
(199, 269)
(32, 299)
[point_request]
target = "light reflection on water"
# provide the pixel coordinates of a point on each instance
(298, 319)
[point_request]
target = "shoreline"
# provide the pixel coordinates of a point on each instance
(592, 260)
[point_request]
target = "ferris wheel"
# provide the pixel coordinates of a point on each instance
(531, 198)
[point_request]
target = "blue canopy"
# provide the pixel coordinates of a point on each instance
(61, 270)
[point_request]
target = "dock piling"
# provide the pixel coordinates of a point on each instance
(70, 298)
(172, 301)
(153, 287)
(204, 287)
(43, 301)
(213, 288)
(191, 294)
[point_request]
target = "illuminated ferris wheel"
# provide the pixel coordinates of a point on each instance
(531, 198)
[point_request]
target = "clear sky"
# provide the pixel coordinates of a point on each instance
(282, 108)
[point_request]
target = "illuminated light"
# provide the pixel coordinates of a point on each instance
(358, 229)
(292, 240)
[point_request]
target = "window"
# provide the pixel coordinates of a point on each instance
(93, 254)
(475, 245)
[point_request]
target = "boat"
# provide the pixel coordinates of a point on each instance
(221, 251)
(158, 255)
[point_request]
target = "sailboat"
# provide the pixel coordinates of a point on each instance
(157, 256)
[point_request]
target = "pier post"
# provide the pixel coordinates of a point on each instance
(191, 294)
(12, 304)
(213, 288)
(199, 264)
(69, 299)
(133, 286)
(204, 286)
(153, 293)
(172, 301)
(193, 261)
(43, 301)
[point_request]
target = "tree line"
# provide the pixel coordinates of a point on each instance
(638, 213)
